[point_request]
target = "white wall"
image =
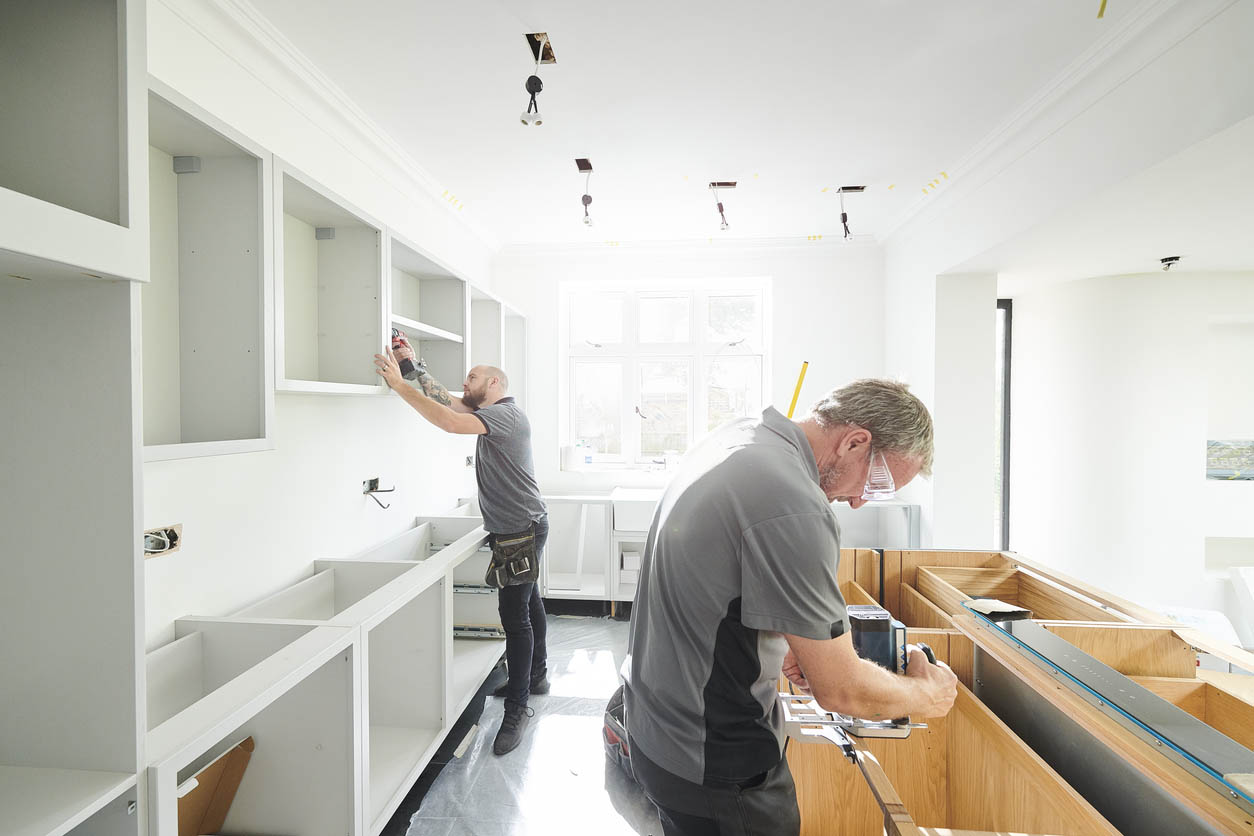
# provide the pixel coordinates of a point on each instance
(254, 522)
(1230, 405)
(1109, 424)
(1102, 123)
(827, 307)
(160, 302)
(966, 423)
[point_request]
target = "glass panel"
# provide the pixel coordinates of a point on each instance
(598, 397)
(733, 387)
(664, 319)
(664, 397)
(596, 319)
(734, 318)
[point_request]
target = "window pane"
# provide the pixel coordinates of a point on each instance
(734, 318)
(598, 397)
(596, 318)
(664, 319)
(733, 387)
(664, 404)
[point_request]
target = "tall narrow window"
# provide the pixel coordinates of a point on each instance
(1001, 473)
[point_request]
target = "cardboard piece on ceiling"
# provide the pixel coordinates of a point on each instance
(202, 811)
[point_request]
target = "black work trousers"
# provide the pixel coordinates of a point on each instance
(522, 616)
(765, 805)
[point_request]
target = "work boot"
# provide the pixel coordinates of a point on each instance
(538, 686)
(513, 724)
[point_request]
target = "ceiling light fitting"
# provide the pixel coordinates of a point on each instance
(531, 116)
(1169, 262)
(844, 216)
(714, 187)
(585, 167)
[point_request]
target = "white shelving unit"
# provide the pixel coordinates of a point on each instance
(71, 582)
(329, 312)
(577, 558)
(208, 376)
(56, 801)
(300, 706)
(514, 354)
(73, 184)
(429, 304)
(487, 329)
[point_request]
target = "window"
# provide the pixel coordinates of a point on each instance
(648, 372)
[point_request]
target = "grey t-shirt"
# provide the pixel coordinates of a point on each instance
(743, 547)
(509, 496)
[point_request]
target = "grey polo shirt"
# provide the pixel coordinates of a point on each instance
(743, 547)
(509, 496)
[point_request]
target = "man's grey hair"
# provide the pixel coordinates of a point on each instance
(494, 371)
(899, 423)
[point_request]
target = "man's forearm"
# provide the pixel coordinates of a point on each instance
(432, 388)
(877, 694)
(436, 412)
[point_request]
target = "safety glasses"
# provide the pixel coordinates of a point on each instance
(879, 480)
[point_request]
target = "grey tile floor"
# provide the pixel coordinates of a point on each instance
(558, 781)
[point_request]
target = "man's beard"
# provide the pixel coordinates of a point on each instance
(471, 399)
(828, 478)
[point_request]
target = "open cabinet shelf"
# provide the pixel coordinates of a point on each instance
(429, 303)
(514, 354)
(73, 79)
(51, 802)
(487, 330)
(299, 707)
(329, 291)
(207, 376)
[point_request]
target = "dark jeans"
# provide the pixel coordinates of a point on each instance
(522, 616)
(764, 805)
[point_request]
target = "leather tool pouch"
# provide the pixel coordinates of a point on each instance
(514, 559)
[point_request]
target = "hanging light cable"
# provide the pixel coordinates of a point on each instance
(585, 166)
(714, 187)
(531, 116)
(844, 216)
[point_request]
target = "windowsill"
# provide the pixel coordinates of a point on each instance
(617, 467)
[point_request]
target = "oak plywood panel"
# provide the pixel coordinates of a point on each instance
(1131, 649)
(918, 611)
(996, 782)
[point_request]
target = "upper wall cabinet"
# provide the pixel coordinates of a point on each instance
(429, 304)
(73, 173)
(207, 380)
(328, 291)
(514, 354)
(487, 329)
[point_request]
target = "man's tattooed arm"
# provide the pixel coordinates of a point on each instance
(433, 388)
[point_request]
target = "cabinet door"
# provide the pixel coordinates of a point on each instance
(576, 560)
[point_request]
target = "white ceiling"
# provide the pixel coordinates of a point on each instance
(663, 97)
(1198, 204)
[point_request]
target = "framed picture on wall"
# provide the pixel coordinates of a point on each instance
(1230, 460)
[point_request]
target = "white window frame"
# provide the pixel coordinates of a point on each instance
(698, 351)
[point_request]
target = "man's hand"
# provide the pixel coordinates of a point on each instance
(792, 670)
(406, 353)
(389, 369)
(938, 683)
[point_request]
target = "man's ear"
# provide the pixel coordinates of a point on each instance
(854, 440)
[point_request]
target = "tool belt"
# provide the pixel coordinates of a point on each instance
(514, 559)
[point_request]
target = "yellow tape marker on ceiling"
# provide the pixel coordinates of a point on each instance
(1102, 11)
(796, 393)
